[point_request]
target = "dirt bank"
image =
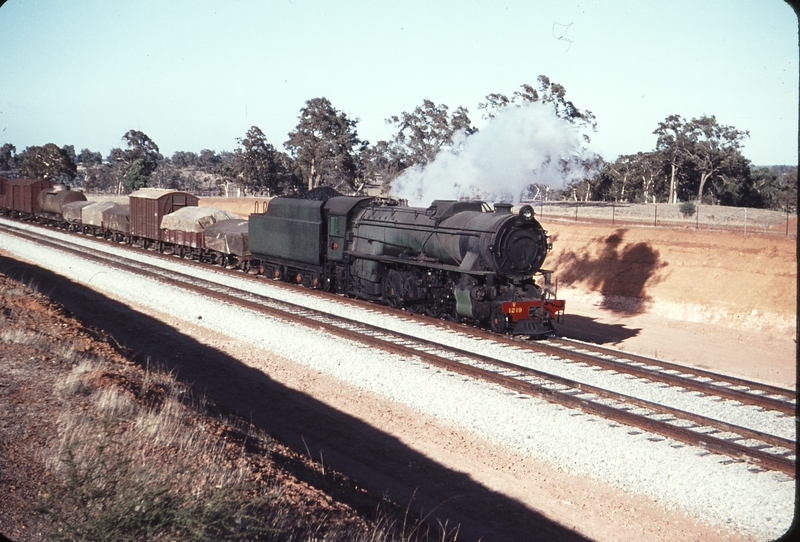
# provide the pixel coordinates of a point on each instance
(730, 279)
(719, 301)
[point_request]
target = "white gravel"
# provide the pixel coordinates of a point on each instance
(736, 495)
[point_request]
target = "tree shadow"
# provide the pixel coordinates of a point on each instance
(583, 328)
(620, 272)
(375, 460)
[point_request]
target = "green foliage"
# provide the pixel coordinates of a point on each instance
(428, 129)
(634, 178)
(89, 158)
(324, 146)
(688, 209)
(184, 159)
(381, 163)
(49, 163)
(703, 151)
(138, 161)
(137, 175)
(208, 159)
(259, 167)
(169, 176)
(421, 135)
(102, 178)
(8, 157)
(698, 159)
(547, 93)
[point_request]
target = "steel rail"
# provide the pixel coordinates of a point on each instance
(785, 407)
(701, 373)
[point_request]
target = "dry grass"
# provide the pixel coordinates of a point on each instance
(128, 470)
(143, 464)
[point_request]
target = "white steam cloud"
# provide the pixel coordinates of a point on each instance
(520, 146)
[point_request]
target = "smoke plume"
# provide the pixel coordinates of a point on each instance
(521, 146)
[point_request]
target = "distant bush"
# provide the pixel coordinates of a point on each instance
(688, 209)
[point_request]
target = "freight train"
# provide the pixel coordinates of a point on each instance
(460, 260)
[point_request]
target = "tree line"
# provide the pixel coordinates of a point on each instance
(698, 160)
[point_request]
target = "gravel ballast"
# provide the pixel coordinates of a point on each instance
(732, 494)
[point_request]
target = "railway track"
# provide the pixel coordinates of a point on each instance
(740, 443)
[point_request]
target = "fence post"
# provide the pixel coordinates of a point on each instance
(745, 220)
(655, 219)
(576, 212)
(697, 216)
(787, 220)
(613, 212)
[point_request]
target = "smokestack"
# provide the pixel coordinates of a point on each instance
(502, 208)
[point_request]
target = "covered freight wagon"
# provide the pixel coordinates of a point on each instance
(92, 217)
(186, 226)
(229, 237)
(150, 205)
(72, 212)
(117, 222)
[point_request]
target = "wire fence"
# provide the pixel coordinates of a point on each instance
(707, 217)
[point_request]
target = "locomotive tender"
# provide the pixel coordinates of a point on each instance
(460, 260)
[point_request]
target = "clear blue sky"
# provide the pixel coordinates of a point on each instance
(197, 74)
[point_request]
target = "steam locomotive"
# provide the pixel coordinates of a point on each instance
(460, 260)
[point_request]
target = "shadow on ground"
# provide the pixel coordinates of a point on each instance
(377, 461)
(617, 270)
(583, 328)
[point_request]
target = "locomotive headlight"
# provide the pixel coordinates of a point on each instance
(526, 213)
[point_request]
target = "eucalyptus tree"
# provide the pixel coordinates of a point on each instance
(8, 157)
(324, 146)
(48, 162)
(380, 164)
(208, 159)
(715, 150)
(548, 92)
(698, 151)
(428, 129)
(137, 162)
(672, 143)
(259, 166)
(184, 159)
(88, 158)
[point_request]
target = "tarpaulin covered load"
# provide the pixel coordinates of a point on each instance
(195, 219)
(92, 215)
(72, 211)
(228, 237)
(118, 219)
